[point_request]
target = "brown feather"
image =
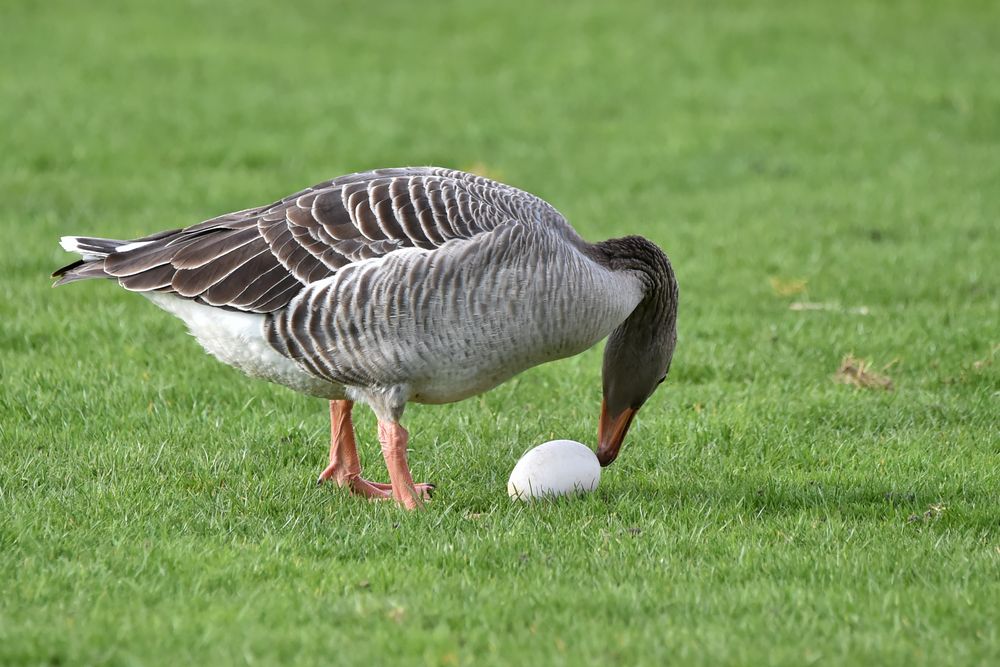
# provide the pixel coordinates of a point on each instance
(154, 279)
(252, 277)
(192, 282)
(209, 248)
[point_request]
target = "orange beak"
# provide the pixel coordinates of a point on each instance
(611, 432)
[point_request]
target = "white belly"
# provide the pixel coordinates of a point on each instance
(237, 338)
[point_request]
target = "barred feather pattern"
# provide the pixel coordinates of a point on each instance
(259, 259)
(452, 322)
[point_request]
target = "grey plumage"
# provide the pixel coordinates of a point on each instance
(455, 321)
(393, 285)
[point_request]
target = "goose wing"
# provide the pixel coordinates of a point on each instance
(258, 259)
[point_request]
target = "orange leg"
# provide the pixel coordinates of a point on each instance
(345, 467)
(394, 438)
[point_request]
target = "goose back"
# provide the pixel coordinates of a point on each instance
(259, 259)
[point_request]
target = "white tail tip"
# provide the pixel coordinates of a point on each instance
(70, 244)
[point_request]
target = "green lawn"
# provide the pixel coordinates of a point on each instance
(157, 508)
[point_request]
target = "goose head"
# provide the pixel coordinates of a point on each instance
(638, 353)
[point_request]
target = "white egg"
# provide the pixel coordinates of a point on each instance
(554, 468)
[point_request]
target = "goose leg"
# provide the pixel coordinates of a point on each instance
(394, 438)
(345, 467)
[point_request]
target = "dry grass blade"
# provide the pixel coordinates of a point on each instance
(858, 372)
(787, 286)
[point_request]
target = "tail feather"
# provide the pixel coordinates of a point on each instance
(93, 251)
(90, 247)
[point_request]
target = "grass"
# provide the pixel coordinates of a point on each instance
(156, 508)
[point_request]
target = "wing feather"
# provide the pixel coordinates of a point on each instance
(258, 259)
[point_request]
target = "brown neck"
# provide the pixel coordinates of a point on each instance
(638, 353)
(644, 258)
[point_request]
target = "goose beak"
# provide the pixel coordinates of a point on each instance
(611, 432)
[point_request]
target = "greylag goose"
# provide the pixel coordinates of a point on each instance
(398, 285)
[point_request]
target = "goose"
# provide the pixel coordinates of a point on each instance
(391, 286)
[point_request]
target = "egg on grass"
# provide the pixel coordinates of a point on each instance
(554, 468)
